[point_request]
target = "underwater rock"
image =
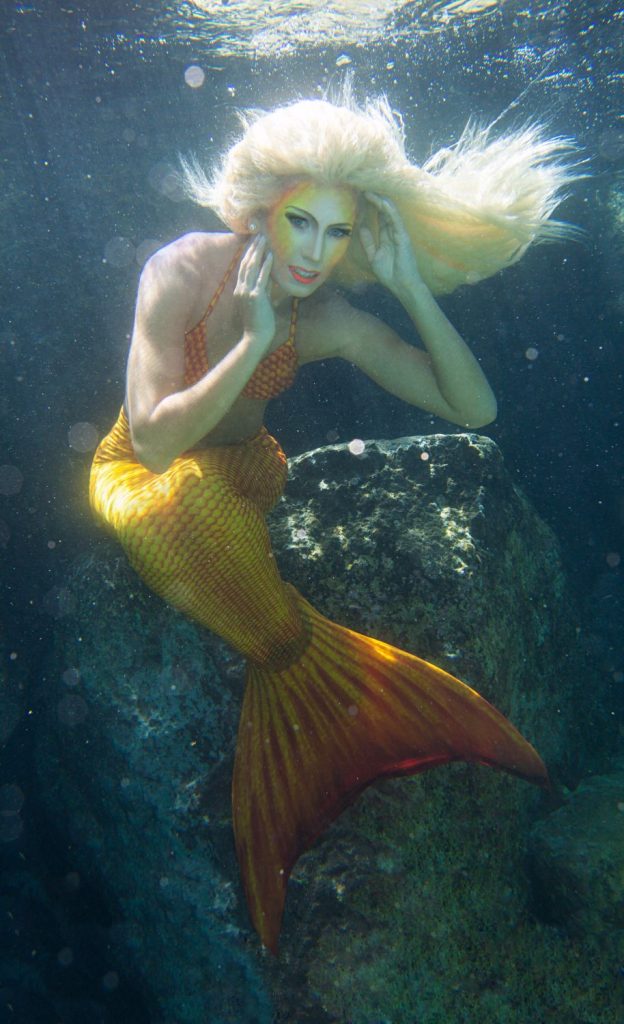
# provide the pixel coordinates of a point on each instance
(416, 901)
(578, 859)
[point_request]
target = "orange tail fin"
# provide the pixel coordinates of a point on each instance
(314, 735)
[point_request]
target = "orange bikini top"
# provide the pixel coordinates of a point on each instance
(273, 375)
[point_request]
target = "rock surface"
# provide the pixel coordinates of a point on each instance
(416, 903)
(578, 858)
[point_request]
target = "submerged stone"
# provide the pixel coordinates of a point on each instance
(416, 904)
(578, 859)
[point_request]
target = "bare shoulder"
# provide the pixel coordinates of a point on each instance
(189, 256)
(180, 272)
(327, 322)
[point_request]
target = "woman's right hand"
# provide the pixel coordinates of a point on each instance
(252, 293)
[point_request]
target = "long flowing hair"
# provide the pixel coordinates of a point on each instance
(470, 209)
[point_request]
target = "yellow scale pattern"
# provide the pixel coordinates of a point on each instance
(197, 535)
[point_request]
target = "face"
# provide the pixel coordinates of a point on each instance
(309, 230)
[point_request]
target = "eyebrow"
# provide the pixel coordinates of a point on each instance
(306, 213)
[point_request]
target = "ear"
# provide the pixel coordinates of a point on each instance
(257, 223)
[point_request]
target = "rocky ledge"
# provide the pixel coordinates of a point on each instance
(417, 903)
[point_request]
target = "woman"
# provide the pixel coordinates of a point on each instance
(313, 192)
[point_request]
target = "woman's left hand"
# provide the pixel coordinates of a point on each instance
(392, 259)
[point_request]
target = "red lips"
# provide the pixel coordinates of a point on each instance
(303, 276)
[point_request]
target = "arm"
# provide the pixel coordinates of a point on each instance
(446, 380)
(165, 417)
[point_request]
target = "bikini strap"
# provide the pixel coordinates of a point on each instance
(293, 323)
(217, 295)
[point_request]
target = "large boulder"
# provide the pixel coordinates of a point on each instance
(416, 904)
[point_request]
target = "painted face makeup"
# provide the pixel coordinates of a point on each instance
(309, 231)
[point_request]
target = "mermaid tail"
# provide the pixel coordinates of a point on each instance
(326, 710)
(312, 736)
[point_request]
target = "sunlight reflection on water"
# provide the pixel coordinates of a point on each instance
(254, 27)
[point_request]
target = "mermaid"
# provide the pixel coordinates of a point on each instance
(314, 193)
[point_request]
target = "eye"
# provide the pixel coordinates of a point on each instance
(340, 232)
(296, 220)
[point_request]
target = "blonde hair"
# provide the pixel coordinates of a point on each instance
(470, 210)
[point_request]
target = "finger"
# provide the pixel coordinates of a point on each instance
(386, 233)
(250, 262)
(368, 242)
(386, 208)
(265, 272)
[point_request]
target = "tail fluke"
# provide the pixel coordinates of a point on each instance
(312, 736)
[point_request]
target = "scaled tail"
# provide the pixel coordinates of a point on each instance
(313, 735)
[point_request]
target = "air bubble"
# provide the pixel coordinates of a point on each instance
(165, 179)
(119, 252)
(83, 437)
(613, 559)
(194, 76)
(531, 354)
(356, 446)
(71, 677)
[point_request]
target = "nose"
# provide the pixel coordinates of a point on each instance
(313, 249)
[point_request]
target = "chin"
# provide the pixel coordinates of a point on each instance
(289, 286)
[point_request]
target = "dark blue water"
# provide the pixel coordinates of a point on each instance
(94, 112)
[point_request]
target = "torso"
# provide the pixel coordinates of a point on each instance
(211, 254)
